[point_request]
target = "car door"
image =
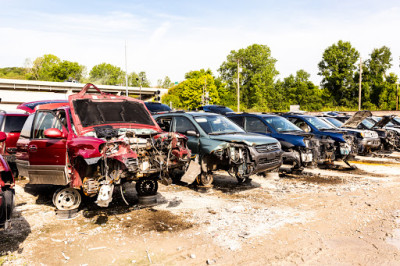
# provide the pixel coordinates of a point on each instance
(182, 125)
(47, 156)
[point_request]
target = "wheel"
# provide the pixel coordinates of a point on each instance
(67, 199)
(204, 179)
(146, 187)
(7, 206)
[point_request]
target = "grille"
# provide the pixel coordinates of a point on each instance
(267, 148)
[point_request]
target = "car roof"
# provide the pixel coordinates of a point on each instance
(14, 112)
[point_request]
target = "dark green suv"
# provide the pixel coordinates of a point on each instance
(220, 144)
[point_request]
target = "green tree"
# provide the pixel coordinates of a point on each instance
(375, 74)
(13, 73)
(188, 93)
(299, 90)
(166, 83)
(66, 70)
(337, 68)
(256, 78)
(43, 67)
(107, 74)
(136, 80)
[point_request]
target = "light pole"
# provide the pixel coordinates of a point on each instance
(238, 87)
(359, 87)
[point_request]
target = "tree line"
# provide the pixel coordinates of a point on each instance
(260, 90)
(51, 68)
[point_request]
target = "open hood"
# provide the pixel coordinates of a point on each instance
(356, 119)
(384, 121)
(90, 110)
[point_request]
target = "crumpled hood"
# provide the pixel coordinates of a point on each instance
(356, 119)
(247, 138)
(90, 110)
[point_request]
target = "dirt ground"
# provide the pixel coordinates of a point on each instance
(322, 216)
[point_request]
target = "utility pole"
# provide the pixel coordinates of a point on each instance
(238, 88)
(359, 87)
(397, 96)
(126, 72)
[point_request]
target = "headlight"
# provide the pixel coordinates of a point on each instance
(279, 145)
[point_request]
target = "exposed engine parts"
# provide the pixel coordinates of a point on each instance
(127, 157)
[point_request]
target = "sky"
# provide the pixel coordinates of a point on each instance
(171, 38)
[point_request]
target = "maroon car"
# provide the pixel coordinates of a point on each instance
(11, 123)
(94, 142)
(6, 189)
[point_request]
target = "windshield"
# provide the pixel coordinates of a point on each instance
(217, 124)
(367, 123)
(281, 124)
(14, 123)
(334, 121)
(318, 123)
(397, 119)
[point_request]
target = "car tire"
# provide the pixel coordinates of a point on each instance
(7, 206)
(146, 186)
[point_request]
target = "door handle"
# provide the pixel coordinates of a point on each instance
(32, 147)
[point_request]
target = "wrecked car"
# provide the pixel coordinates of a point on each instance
(6, 189)
(300, 148)
(218, 143)
(11, 123)
(95, 142)
(390, 136)
(343, 146)
(366, 140)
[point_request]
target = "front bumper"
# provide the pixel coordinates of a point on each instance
(266, 161)
(372, 143)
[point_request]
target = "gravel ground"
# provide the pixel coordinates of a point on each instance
(321, 216)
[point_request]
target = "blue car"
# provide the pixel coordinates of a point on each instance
(300, 148)
(344, 146)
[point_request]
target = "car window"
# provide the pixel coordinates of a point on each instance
(183, 124)
(43, 121)
(26, 129)
(254, 124)
(217, 125)
(165, 123)
(14, 123)
(300, 123)
(239, 120)
(1, 120)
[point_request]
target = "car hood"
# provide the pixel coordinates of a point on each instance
(89, 110)
(247, 138)
(356, 119)
(384, 121)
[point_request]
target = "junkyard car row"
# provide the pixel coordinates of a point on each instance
(93, 143)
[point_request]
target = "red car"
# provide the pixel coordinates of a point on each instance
(95, 142)
(11, 123)
(6, 189)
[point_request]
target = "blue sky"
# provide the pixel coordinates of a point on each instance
(170, 38)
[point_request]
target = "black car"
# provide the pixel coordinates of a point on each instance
(218, 109)
(157, 108)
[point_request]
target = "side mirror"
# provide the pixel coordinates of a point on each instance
(53, 133)
(191, 133)
(3, 136)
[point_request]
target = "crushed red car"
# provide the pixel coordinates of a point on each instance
(6, 189)
(11, 123)
(94, 142)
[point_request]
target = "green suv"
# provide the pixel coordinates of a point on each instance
(220, 144)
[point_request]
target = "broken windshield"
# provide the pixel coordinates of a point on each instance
(93, 113)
